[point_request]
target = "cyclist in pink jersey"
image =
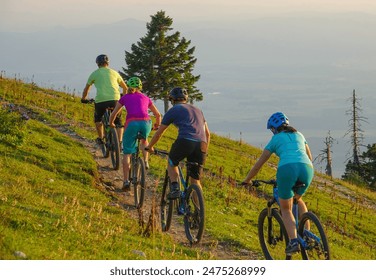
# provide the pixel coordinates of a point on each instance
(137, 120)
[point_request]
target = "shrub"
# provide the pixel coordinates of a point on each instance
(12, 129)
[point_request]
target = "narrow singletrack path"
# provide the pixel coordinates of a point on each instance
(110, 182)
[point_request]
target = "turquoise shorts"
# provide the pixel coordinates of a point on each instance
(130, 135)
(289, 174)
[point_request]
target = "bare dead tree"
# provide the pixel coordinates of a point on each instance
(326, 155)
(355, 131)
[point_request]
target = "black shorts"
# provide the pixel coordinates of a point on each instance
(183, 148)
(101, 107)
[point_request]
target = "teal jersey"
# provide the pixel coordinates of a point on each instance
(289, 147)
(106, 81)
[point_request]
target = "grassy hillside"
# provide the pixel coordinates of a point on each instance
(51, 207)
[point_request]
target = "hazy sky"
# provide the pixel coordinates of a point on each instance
(34, 15)
(277, 65)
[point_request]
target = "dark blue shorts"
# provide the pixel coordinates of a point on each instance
(101, 107)
(191, 150)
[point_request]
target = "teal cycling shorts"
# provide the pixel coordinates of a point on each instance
(130, 135)
(289, 174)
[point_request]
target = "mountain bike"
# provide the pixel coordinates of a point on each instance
(137, 173)
(273, 235)
(110, 146)
(190, 204)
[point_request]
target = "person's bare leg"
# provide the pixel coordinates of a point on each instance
(143, 144)
(120, 131)
(99, 127)
(126, 166)
(302, 208)
(173, 173)
(288, 217)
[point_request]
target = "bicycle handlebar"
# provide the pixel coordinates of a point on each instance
(160, 152)
(257, 183)
(86, 101)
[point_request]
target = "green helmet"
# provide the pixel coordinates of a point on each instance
(134, 82)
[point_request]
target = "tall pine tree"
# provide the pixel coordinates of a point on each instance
(368, 168)
(163, 60)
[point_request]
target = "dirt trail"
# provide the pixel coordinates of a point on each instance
(110, 181)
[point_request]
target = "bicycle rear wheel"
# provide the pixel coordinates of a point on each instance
(194, 218)
(114, 148)
(272, 235)
(167, 205)
(104, 146)
(311, 230)
(139, 183)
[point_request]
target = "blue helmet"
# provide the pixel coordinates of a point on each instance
(276, 120)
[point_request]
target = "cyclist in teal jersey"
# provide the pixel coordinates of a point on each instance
(295, 164)
(107, 82)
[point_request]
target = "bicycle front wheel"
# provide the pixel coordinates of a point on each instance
(194, 218)
(272, 235)
(316, 243)
(114, 148)
(139, 183)
(167, 205)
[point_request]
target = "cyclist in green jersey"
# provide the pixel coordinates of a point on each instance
(107, 82)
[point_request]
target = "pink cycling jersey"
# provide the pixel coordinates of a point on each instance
(137, 105)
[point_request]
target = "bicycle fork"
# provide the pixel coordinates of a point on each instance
(272, 238)
(181, 204)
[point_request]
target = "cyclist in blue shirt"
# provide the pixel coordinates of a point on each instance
(192, 141)
(295, 164)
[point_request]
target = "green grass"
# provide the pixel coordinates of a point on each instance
(50, 207)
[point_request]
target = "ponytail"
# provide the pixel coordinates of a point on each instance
(286, 128)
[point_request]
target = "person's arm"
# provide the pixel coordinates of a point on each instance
(256, 168)
(158, 134)
(85, 91)
(114, 113)
(207, 133)
(157, 115)
(308, 151)
(124, 87)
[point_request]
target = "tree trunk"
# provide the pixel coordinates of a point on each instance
(328, 168)
(166, 104)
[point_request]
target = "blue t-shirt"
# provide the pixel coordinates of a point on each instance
(289, 147)
(189, 120)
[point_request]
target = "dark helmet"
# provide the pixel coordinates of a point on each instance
(276, 120)
(102, 59)
(178, 94)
